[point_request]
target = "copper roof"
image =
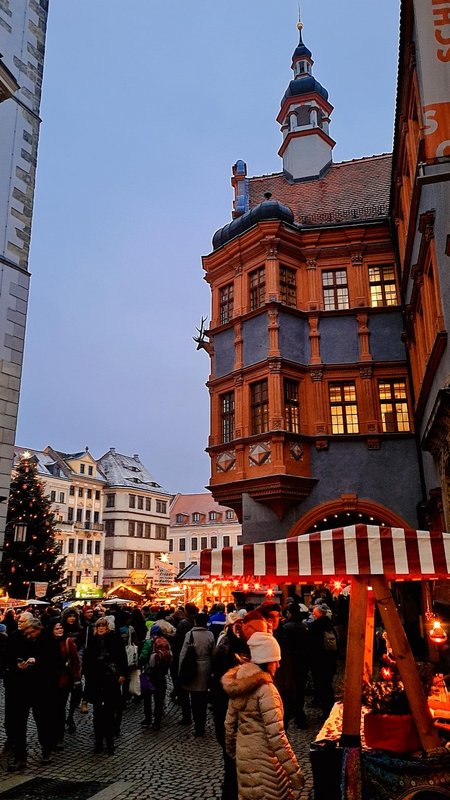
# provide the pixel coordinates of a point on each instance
(348, 191)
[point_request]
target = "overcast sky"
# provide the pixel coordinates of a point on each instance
(146, 105)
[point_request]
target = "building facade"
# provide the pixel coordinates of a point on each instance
(136, 515)
(420, 209)
(75, 489)
(22, 45)
(196, 523)
(311, 404)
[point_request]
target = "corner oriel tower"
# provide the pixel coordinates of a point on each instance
(304, 118)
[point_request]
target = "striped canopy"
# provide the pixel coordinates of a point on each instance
(341, 552)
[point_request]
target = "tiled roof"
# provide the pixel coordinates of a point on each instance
(127, 471)
(189, 504)
(46, 466)
(351, 190)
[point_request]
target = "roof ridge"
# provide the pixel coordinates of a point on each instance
(333, 164)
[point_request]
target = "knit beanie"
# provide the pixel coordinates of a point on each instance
(253, 622)
(264, 648)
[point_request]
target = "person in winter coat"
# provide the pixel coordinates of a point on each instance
(154, 661)
(267, 768)
(291, 678)
(323, 661)
(180, 695)
(231, 650)
(65, 663)
(73, 630)
(106, 669)
(203, 642)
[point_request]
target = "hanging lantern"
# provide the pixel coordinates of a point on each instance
(437, 633)
(386, 673)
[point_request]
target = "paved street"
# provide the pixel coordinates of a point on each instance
(170, 764)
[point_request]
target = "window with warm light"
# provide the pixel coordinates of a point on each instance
(383, 291)
(343, 407)
(335, 289)
(226, 301)
(257, 288)
(259, 402)
(291, 406)
(288, 288)
(394, 406)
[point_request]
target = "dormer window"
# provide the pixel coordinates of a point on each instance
(179, 519)
(196, 517)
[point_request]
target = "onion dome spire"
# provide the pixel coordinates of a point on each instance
(304, 118)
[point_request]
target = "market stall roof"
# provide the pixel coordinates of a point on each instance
(343, 552)
(191, 573)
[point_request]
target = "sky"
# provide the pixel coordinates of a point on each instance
(146, 106)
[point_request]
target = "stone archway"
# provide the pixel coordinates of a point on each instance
(351, 506)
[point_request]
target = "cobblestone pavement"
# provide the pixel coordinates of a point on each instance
(147, 764)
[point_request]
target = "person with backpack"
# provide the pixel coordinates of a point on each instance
(155, 661)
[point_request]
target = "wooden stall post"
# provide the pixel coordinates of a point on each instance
(370, 631)
(406, 664)
(351, 718)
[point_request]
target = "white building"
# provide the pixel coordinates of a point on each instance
(75, 489)
(136, 515)
(196, 523)
(23, 26)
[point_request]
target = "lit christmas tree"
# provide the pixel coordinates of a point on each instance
(31, 552)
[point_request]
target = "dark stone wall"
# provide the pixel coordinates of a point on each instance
(339, 340)
(385, 336)
(294, 338)
(223, 353)
(389, 476)
(255, 339)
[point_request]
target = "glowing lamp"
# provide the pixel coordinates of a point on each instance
(386, 673)
(245, 587)
(270, 592)
(437, 633)
(337, 586)
(257, 586)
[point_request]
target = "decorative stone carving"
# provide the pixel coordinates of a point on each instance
(296, 451)
(275, 365)
(356, 259)
(226, 461)
(321, 444)
(311, 263)
(316, 374)
(271, 244)
(373, 444)
(259, 454)
(366, 373)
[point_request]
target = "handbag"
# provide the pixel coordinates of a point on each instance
(188, 666)
(134, 686)
(132, 653)
(146, 684)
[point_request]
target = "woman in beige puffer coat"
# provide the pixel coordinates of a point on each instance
(267, 768)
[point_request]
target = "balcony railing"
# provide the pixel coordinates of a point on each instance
(89, 526)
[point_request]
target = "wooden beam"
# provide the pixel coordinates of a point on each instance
(370, 631)
(351, 718)
(406, 665)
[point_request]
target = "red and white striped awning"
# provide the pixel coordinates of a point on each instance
(353, 550)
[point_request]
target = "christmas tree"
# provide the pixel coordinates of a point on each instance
(31, 553)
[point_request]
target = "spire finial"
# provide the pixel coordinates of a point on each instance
(299, 23)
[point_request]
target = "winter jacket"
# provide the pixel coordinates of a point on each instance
(204, 646)
(104, 662)
(267, 768)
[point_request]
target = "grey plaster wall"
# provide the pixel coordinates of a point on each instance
(385, 336)
(223, 353)
(389, 476)
(255, 339)
(294, 338)
(339, 340)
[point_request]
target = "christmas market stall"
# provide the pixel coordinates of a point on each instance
(370, 557)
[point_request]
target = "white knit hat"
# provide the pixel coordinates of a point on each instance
(264, 648)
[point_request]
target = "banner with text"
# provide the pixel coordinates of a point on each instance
(433, 51)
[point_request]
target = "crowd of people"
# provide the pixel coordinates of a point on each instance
(250, 666)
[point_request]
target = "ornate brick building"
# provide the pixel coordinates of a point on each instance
(312, 422)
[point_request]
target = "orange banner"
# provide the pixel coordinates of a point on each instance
(433, 59)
